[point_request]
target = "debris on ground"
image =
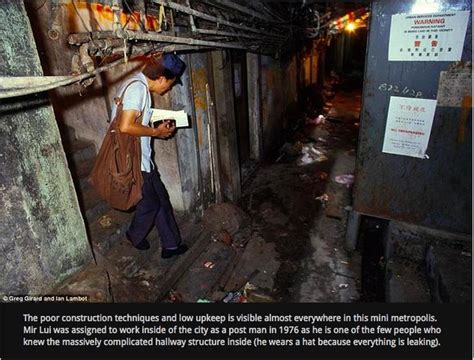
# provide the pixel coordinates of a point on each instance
(347, 180)
(234, 297)
(174, 297)
(305, 177)
(254, 294)
(291, 149)
(203, 301)
(224, 237)
(311, 154)
(105, 221)
(320, 119)
(324, 199)
(209, 264)
(225, 216)
(323, 175)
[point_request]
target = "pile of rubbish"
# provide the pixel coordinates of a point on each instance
(347, 179)
(311, 154)
(308, 153)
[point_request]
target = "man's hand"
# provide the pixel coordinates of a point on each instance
(128, 125)
(165, 129)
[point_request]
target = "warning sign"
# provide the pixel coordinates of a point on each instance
(408, 129)
(428, 37)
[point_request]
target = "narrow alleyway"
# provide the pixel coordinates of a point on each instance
(285, 243)
(300, 210)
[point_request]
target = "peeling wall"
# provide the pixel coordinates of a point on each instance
(279, 95)
(83, 109)
(186, 141)
(201, 79)
(83, 113)
(43, 237)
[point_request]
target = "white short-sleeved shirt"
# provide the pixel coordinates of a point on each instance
(137, 97)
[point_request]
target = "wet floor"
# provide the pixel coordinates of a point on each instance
(282, 200)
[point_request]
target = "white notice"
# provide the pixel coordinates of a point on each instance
(428, 37)
(408, 126)
(181, 117)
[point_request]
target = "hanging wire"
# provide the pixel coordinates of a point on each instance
(139, 21)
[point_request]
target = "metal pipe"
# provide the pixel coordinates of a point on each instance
(79, 38)
(68, 81)
(219, 8)
(21, 85)
(20, 82)
(207, 17)
(261, 6)
(242, 9)
(232, 34)
(191, 19)
(135, 35)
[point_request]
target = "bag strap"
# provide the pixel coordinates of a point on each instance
(119, 100)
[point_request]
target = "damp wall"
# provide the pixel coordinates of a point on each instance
(42, 234)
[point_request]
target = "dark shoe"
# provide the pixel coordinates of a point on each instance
(167, 253)
(143, 245)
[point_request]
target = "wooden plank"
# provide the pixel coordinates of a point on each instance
(182, 264)
(226, 127)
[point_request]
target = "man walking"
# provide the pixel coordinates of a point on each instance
(154, 209)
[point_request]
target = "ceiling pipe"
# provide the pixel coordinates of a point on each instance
(232, 34)
(13, 86)
(242, 9)
(201, 15)
(136, 35)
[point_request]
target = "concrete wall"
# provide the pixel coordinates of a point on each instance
(43, 237)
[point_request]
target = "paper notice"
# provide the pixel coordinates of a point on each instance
(454, 86)
(428, 37)
(180, 117)
(408, 126)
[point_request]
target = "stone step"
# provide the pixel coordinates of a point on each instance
(108, 229)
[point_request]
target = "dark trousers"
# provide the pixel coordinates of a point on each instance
(154, 209)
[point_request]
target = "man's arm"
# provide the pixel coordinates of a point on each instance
(128, 125)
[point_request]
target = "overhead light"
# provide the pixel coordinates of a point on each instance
(350, 27)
